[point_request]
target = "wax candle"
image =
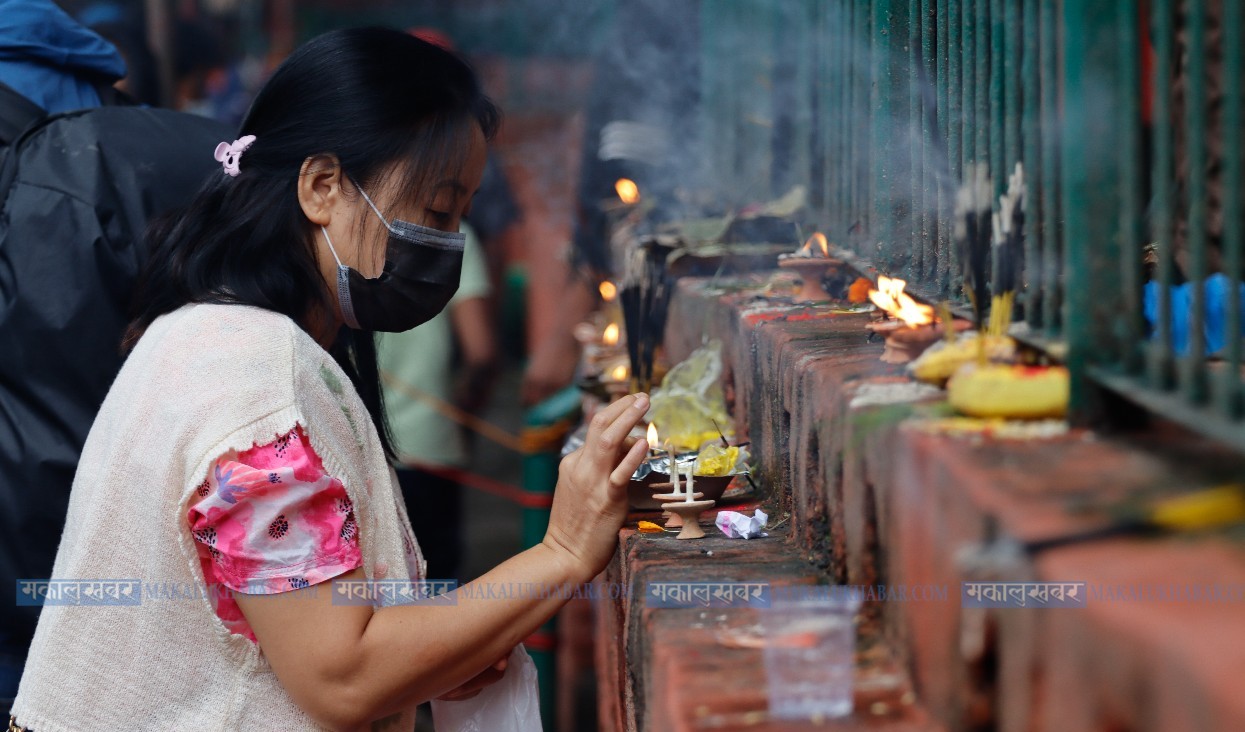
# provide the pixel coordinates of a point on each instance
(691, 483)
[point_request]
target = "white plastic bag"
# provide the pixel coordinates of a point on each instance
(510, 705)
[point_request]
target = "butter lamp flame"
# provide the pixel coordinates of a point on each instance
(818, 240)
(627, 190)
(891, 298)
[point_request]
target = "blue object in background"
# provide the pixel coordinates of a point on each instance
(1215, 315)
(52, 59)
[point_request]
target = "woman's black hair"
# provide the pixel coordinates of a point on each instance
(372, 97)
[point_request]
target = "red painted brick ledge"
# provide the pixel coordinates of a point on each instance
(863, 499)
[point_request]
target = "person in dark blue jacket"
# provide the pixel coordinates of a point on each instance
(51, 59)
(78, 184)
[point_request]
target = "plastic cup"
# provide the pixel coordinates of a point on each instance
(810, 653)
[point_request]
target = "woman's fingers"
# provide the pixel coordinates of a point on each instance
(631, 461)
(610, 413)
(604, 446)
(611, 439)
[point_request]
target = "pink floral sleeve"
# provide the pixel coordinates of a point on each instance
(270, 520)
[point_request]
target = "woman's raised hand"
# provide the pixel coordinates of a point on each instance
(590, 501)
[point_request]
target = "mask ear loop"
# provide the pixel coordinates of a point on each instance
(343, 285)
(375, 210)
(331, 248)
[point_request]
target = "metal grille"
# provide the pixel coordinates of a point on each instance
(1125, 114)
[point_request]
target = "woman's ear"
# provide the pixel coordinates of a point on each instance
(319, 188)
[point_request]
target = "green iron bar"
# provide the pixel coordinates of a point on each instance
(1013, 19)
(1030, 82)
(998, 122)
(954, 124)
(1090, 177)
(907, 190)
(1193, 372)
(1051, 225)
(1160, 361)
(927, 96)
(882, 228)
(970, 70)
(1129, 321)
(913, 58)
(998, 77)
(944, 129)
(849, 39)
(830, 114)
(861, 41)
(800, 25)
(840, 34)
(981, 60)
(1233, 202)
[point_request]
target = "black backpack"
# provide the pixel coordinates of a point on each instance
(77, 191)
(17, 113)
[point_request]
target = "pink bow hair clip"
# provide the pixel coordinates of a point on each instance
(229, 154)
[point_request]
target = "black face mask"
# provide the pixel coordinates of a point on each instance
(423, 267)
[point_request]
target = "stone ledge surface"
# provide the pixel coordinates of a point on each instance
(868, 500)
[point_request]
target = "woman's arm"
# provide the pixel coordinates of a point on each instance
(347, 665)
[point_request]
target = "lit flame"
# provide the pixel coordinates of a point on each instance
(628, 191)
(608, 291)
(652, 435)
(807, 249)
(610, 337)
(890, 297)
(619, 373)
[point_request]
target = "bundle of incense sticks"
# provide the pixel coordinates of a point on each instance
(1009, 223)
(972, 236)
(645, 298)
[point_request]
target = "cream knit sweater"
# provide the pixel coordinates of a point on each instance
(202, 381)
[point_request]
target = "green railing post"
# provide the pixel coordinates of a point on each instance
(1051, 225)
(1160, 363)
(1034, 284)
(953, 126)
(1193, 381)
(1130, 320)
(1091, 183)
(1055, 85)
(1229, 395)
(882, 224)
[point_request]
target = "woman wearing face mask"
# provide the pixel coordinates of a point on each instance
(241, 451)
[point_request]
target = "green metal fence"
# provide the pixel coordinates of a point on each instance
(1126, 115)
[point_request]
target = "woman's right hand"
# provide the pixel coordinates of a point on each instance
(590, 500)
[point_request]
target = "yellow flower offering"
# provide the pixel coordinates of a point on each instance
(715, 461)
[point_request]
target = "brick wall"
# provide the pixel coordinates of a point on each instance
(863, 498)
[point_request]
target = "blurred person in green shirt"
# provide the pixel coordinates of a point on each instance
(448, 360)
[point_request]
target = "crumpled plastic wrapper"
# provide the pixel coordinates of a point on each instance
(740, 526)
(690, 400)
